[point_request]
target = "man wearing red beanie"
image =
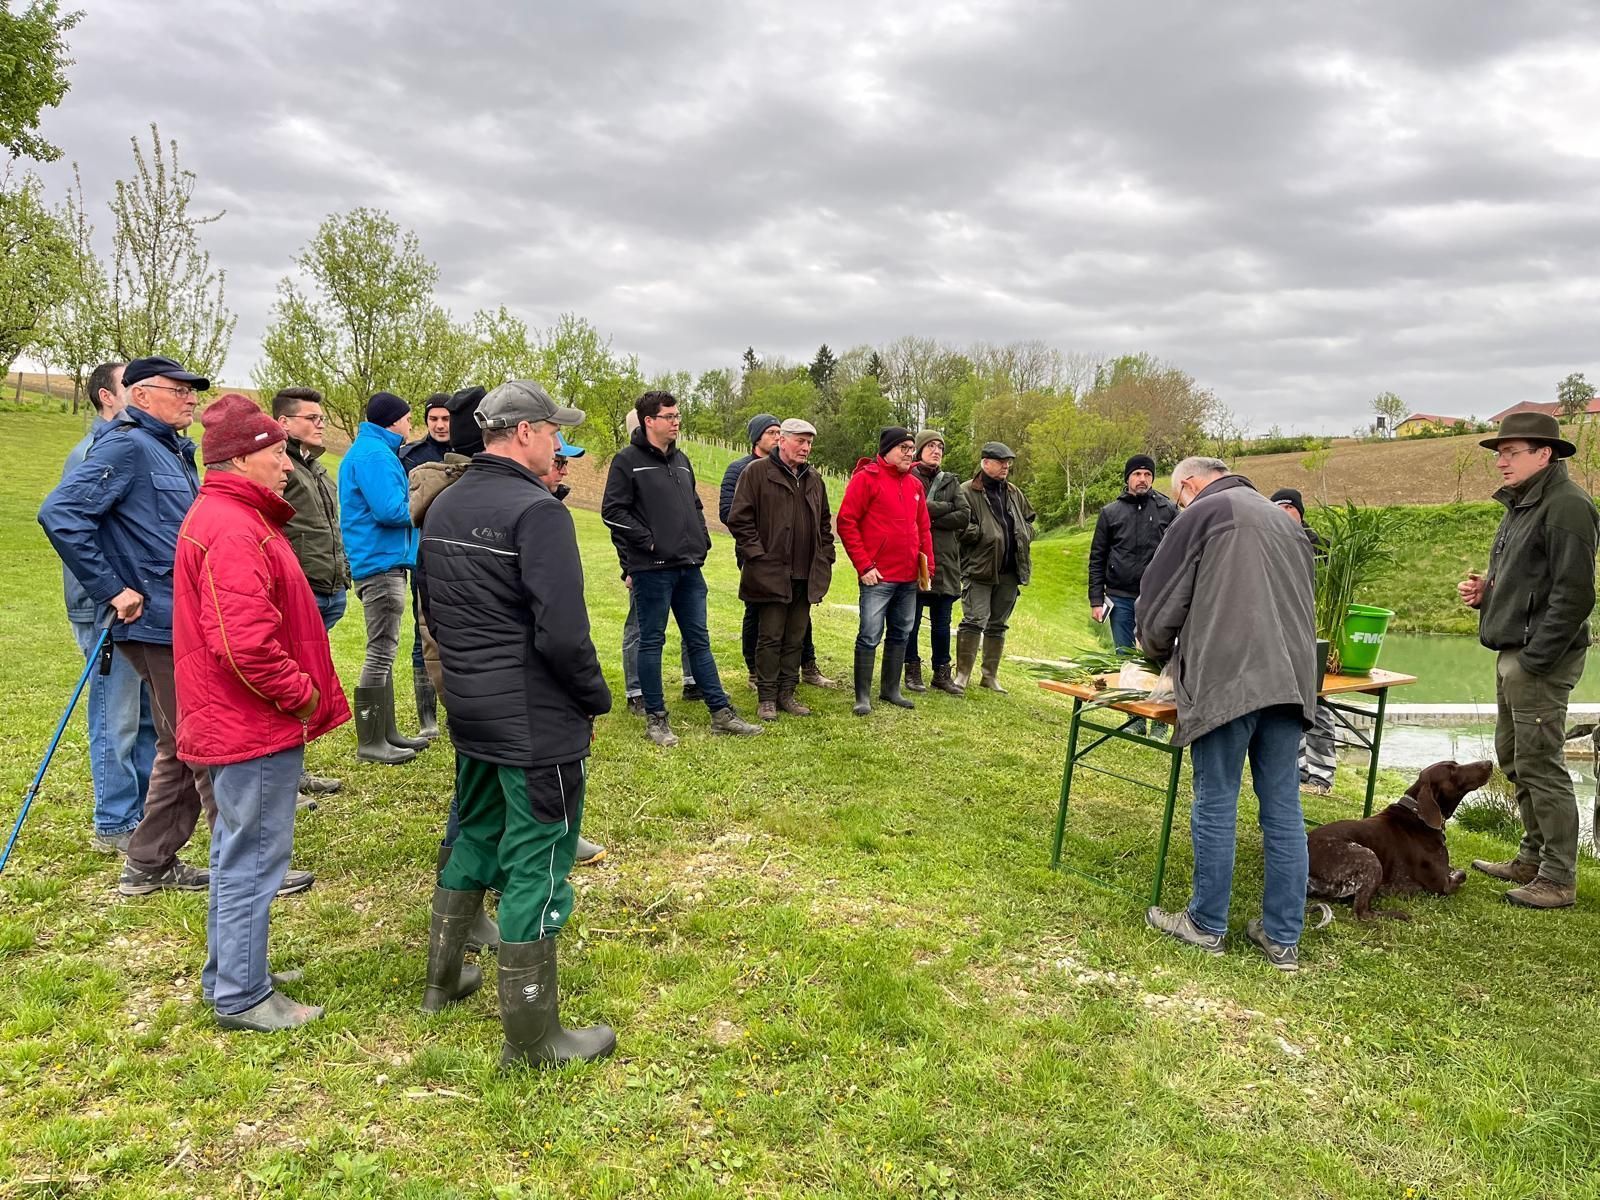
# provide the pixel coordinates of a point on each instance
(256, 684)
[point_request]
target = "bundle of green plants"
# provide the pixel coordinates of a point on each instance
(1088, 668)
(1361, 544)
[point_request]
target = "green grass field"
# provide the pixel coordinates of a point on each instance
(835, 958)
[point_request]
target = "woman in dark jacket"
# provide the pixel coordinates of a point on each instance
(949, 516)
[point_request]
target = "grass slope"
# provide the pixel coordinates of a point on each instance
(835, 958)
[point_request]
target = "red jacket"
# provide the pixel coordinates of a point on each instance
(883, 522)
(247, 639)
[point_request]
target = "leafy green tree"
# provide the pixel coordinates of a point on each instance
(712, 406)
(1574, 394)
(77, 335)
(1175, 410)
(578, 367)
(863, 412)
(365, 321)
(1391, 407)
(501, 349)
(165, 296)
(822, 368)
(36, 267)
(33, 74)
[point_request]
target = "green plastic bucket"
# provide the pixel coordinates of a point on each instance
(1362, 638)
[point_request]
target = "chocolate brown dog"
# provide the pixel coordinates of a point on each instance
(1399, 851)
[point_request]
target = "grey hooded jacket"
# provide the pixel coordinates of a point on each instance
(1228, 600)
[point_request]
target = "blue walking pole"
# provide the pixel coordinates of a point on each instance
(96, 660)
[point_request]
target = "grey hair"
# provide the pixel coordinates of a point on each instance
(1197, 465)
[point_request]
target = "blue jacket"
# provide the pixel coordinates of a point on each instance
(375, 504)
(114, 517)
(81, 610)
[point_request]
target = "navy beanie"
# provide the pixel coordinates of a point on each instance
(1139, 462)
(759, 424)
(386, 408)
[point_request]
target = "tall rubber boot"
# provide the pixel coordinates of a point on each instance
(484, 936)
(993, 649)
(427, 707)
(449, 977)
(863, 671)
(371, 745)
(894, 665)
(966, 654)
(391, 731)
(530, 1011)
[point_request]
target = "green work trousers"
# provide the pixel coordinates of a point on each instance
(1529, 735)
(519, 836)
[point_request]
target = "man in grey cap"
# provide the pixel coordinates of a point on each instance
(996, 561)
(1533, 609)
(781, 523)
(502, 593)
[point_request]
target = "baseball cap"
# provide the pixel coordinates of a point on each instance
(156, 367)
(523, 400)
(566, 449)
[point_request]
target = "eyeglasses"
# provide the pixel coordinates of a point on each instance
(561, 462)
(185, 392)
(667, 417)
(1498, 453)
(314, 418)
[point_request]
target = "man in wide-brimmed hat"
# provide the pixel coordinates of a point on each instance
(1533, 609)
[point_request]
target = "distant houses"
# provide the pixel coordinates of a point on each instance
(1549, 409)
(1427, 423)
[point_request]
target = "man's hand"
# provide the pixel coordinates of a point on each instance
(872, 578)
(305, 711)
(627, 582)
(127, 604)
(1471, 590)
(1098, 611)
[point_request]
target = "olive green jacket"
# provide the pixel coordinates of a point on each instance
(1539, 589)
(983, 542)
(313, 531)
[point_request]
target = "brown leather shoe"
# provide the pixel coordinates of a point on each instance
(1543, 893)
(767, 710)
(790, 705)
(1515, 871)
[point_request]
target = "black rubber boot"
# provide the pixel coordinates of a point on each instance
(530, 1011)
(427, 707)
(371, 745)
(864, 661)
(894, 663)
(449, 977)
(484, 936)
(391, 731)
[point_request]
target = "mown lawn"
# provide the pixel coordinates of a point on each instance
(835, 958)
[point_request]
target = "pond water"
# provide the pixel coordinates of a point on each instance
(1457, 670)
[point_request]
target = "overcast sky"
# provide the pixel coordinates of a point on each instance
(1302, 205)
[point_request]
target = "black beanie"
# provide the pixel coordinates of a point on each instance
(1139, 462)
(386, 408)
(1292, 498)
(892, 437)
(465, 436)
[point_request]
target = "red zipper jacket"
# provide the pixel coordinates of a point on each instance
(883, 522)
(247, 638)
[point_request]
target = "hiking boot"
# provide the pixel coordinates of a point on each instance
(967, 641)
(725, 720)
(1515, 871)
(1285, 958)
(942, 681)
(863, 672)
(1315, 787)
(993, 650)
(691, 691)
(811, 677)
(450, 922)
(894, 663)
(318, 785)
(304, 803)
(1543, 893)
(914, 678)
(273, 1015)
(636, 706)
(658, 731)
(530, 1015)
(1181, 925)
(767, 710)
(179, 877)
(295, 882)
(371, 721)
(588, 853)
(275, 978)
(788, 703)
(427, 707)
(111, 843)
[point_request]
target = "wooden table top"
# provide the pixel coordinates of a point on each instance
(1167, 713)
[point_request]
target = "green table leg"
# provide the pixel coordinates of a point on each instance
(1066, 781)
(1377, 740)
(1166, 824)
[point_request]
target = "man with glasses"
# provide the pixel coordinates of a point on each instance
(659, 527)
(1533, 608)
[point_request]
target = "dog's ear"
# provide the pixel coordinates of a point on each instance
(1419, 798)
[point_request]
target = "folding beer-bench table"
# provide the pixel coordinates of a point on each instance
(1106, 728)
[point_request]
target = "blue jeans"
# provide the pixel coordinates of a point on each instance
(682, 592)
(122, 739)
(939, 610)
(249, 856)
(331, 606)
(1271, 739)
(1122, 623)
(630, 654)
(886, 604)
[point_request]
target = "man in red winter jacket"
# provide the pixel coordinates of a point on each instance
(255, 684)
(883, 523)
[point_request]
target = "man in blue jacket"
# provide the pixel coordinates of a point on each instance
(114, 521)
(122, 731)
(381, 544)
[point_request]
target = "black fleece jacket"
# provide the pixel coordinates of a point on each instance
(653, 509)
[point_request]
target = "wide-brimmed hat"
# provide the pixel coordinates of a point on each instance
(1531, 427)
